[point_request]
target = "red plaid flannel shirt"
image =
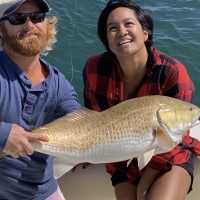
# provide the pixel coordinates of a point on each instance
(103, 88)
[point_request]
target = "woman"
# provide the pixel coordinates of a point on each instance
(132, 67)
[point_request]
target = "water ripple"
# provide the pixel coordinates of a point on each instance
(177, 28)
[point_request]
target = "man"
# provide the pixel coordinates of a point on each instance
(32, 93)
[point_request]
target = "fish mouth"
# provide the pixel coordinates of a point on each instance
(196, 122)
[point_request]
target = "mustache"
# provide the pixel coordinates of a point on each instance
(25, 33)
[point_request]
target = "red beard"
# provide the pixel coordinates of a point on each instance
(26, 42)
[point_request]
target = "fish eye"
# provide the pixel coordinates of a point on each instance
(191, 108)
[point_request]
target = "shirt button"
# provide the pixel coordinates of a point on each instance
(28, 109)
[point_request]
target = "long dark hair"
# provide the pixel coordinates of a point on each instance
(143, 16)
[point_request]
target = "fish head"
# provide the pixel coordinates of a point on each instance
(177, 117)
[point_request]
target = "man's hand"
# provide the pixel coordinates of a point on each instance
(19, 142)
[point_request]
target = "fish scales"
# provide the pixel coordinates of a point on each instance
(106, 126)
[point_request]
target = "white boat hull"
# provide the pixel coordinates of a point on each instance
(93, 183)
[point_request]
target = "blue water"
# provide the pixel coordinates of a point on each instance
(177, 28)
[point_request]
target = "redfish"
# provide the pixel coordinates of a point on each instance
(136, 128)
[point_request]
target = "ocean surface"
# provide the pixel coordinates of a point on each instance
(176, 32)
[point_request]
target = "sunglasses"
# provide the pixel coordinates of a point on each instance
(20, 18)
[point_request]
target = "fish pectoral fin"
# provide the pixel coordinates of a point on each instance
(60, 167)
(163, 139)
(129, 162)
(145, 158)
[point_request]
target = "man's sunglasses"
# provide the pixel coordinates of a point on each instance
(20, 18)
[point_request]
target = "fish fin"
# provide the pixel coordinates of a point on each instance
(69, 119)
(163, 139)
(60, 167)
(145, 158)
(129, 162)
(80, 113)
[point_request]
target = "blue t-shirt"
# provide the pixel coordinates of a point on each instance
(30, 177)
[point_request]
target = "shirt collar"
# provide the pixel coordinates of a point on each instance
(14, 67)
(153, 59)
